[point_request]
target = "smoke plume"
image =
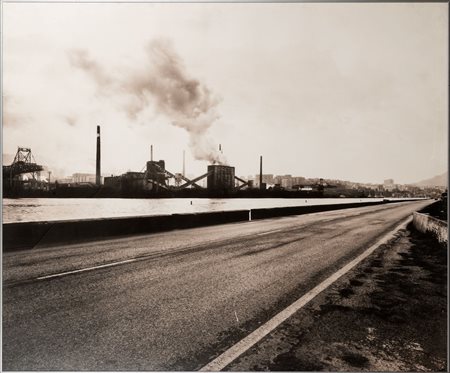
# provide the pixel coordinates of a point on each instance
(165, 84)
(81, 59)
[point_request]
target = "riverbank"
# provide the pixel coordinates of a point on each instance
(388, 314)
(54, 209)
(27, 235)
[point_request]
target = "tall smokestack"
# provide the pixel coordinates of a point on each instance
(97, 168)
(220, 148)
(260, 172)
(184, 162)
(151, 152)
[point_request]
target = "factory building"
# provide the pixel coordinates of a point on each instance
(220, 178)
(130, 181)
(156, 172)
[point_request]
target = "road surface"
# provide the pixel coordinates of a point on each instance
(173, 300)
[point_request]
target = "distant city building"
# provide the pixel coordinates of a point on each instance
(286, 182)
(79, 178)
(388, 184)
(83, 178)
(298, 180)
(65, 180)
(266, 179)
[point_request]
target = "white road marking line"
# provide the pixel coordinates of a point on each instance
(243, 345)
(85, 269)
(270, 232)
(111, 264)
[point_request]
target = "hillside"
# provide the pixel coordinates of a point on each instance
(439, 180)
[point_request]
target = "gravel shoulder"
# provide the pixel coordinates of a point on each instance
(388, 314)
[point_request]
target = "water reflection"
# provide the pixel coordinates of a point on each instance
(40, 209)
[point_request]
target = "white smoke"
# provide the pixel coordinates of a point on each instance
(163, 82)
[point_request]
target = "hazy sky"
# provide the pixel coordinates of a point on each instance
(348, 91)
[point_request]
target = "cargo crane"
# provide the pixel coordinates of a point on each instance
(24, 163)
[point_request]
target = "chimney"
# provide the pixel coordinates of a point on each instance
(97, 168)
(260, 172)
(184, 163)
(151, 152)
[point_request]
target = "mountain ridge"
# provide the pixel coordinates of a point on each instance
(438, 180)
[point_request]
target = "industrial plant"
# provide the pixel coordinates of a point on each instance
(154, 181)
(23, 178)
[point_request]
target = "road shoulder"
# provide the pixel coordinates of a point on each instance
(387, 314)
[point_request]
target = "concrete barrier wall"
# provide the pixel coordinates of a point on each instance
(428, 224)
(27, 235)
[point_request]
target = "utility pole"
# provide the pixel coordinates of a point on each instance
(97, 169)
(260, 173)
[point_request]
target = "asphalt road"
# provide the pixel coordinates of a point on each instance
(189, 296)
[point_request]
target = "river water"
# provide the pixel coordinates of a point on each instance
(45, 209)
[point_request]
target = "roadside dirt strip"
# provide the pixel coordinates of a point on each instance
(387, 314)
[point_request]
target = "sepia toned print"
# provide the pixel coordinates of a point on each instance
(224, 186)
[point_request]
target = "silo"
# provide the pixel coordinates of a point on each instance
(221, 178)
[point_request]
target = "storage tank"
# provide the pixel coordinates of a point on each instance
(221, 178)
